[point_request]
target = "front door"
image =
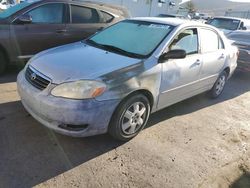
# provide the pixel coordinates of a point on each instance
(180, 77)
(45, 31)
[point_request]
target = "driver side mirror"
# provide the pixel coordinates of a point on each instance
(243, 28)
(24, 19)
(172, 54)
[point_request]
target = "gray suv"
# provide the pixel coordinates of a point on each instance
(29, 28)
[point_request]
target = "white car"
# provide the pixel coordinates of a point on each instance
(5, 4)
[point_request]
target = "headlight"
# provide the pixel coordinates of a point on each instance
(83, 89)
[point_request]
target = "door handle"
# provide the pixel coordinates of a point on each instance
(222, 56)
(61, 31)
(197, 63)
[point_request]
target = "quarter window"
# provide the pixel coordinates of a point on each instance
(107, 18)
(187, 40)
(83, 15)
(210, 41)
(48, 14)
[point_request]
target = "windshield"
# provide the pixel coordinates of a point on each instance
(131, 38)
(221, 23)
(12, 10)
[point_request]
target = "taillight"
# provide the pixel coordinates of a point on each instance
(238, 53)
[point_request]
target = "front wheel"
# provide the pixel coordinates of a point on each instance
(130, 117)
(219, 85)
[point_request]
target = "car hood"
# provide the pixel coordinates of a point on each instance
(226, 31)
(78, 61)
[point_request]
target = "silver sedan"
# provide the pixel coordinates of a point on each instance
(114, 80)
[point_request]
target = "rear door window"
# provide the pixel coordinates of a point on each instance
(81, 14)
(210, 41)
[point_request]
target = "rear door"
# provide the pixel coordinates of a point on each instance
(84, 21)
(213, 56)
(46, 30)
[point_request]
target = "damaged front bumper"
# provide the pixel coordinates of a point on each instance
(78, 118)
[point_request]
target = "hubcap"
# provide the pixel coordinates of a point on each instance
(134, 118)
(220, 84)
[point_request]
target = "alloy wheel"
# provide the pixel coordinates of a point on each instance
(220, 85)
(134, 118)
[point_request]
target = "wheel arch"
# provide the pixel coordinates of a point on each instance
(227, 70)
(112, 127)
(144, 92)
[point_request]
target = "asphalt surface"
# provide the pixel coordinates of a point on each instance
(196, 143)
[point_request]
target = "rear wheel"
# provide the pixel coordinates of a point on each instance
(130, 117)
(3, 62)
(219, 85)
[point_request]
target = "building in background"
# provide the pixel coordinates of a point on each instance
(237, 8)
(146, 7)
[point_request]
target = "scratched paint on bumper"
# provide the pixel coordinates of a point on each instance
(52, 111)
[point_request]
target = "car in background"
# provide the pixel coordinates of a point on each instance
(5, 4)
(112, 81)
(31, 27)
(170, 16)
(200, 16)
(241, 39)
(229, 24)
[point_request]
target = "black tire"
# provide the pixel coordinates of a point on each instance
(119, 119)
(3, 62)
(219, 86)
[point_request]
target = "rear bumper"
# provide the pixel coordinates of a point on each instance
(244, 61)
(233, 67)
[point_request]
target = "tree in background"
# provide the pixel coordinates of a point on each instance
(190, 7)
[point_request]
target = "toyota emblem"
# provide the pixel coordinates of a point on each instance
(33, 76)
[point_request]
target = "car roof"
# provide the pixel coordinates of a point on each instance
(227, 17)
(116, 9)
(170, 21)
(173, 15)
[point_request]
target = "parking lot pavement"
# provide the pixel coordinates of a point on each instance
(196, 143)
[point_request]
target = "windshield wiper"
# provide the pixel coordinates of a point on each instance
(121, 51)
(114, 49)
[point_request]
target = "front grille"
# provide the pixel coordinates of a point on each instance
(36, 79)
